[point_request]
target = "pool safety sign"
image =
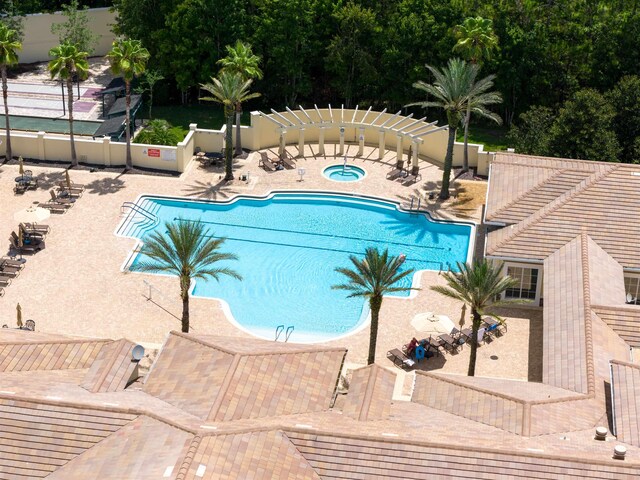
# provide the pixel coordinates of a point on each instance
(153, 152)
(166, 155)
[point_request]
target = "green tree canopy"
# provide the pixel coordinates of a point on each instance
(476, 39)
(625, 99)
(75, 29)
(531, 134)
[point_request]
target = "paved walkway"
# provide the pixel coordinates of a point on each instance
(76, 286)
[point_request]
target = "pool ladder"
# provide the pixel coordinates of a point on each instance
(287, 333)
(417, 207)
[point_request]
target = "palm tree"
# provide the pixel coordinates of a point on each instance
(229, 89)
(129, 59)
(8, 45)
(476, 41)
(241, 59)
(451, 90)
(189, 252)
(479, 286)
(68, 62)
(376, 275)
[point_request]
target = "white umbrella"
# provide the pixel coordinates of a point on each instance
(423, 321)
(31, 214)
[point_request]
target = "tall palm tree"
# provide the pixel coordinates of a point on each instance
(376, 275)
(8, 45)
(451, 89)
(129, 59)
(479, 286)
(68, 62)
(229, 89)
(476, 41)
(187, 251)
(241, 59)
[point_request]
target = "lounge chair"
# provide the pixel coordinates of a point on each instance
(493, 326)
(54, 207)
(69, 192)
(26, 232)
(448, 342)
(287, 162)
(397, 171)
(34, 228)
(400, 359)
(28, 248)
(74, 186)
(5, 282)
(10, 262)
(434, 344)
(62, 201)
(413, 176)
(8, 270)
(266, 163)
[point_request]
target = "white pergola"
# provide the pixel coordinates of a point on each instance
(404, 127)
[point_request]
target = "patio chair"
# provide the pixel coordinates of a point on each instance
(5, 282)
(8, 271)
(397, 171)
(448, 342)
(26, 232)
(30, 325)
(37, 227)
(62, 201)
(493, 326)
(434, 344)
(288, 162)
(10, 262)
(413, 176)
(26, 248)
(266, 163)
(69, 192)
(20, 187)
(54, 207)
(400, 359)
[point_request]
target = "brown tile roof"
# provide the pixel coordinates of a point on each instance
(39, 438)
(145, 449)
(112, 369)
(359, 458)
(370, 393)
(258, 455)
(217, 382)
(624, 320)
(37, 354)
(625, 390)
(587, 204)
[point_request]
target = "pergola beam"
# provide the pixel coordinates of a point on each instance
(390, 119)
(305, 114)
(420, 128)
(294, 114)
(282, 117)
(417, 137)
(379, 115)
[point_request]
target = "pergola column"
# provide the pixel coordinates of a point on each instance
(361, 142)
(414, 154)
(321, 141)
(281, 146)
(399, 148)
(301, 143)
(381, 145)
(341, 152)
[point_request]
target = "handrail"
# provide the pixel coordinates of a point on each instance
(279, 330)
(138, 209)
(289, 332)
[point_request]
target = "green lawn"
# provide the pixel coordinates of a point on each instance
(493, 138)
(180, 116)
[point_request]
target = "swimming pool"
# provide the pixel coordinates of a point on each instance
(289, 245)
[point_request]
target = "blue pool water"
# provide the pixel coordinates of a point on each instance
(344, 173)
(289, 246)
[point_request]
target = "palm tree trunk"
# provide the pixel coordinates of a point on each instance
(448, 162)
(238, 134)
(228, 148)
(127, 85)
(74, 157)
(474, 342)
(185, 309)
(5, 94)
(374, 303)
(467, 119)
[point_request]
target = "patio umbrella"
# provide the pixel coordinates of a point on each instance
(20, 166)
(31, 214)
(20, 239)
(67, 179)
(19, 315)
(281, 146)
(423, 321)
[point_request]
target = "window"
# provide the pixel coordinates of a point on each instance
(632, 289)
(527, 283)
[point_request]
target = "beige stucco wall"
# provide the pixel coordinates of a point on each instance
(261, 134)
(38, 39)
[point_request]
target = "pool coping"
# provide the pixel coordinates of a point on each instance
(226, 309)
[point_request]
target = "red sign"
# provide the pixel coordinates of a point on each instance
(153, 152)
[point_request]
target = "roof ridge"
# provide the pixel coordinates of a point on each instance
(625, 364)
(538, 216)
(59, 342)
(226, 381)
(109, 365)
(527, 192)
(188, 457)
(588, 327)
(505, 155)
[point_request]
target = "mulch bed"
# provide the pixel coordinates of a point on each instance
(468, 175)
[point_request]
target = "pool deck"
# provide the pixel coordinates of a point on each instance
(76, 286)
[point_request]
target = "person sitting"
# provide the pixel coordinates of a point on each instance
(411, 347)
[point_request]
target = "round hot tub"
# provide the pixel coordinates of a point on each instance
(344, 173)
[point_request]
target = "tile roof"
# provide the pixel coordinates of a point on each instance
(112, 368)
(586, 204)
(144, 449)
(359, 458)
(625, 392)
(370, 393)
(55, 354)
(38, 438)
(220, 382)
(267, 454)
(624, 320)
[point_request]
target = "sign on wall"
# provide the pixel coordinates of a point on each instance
(153, 152)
